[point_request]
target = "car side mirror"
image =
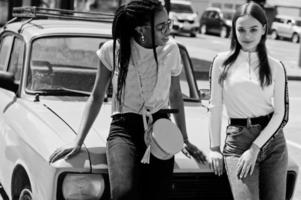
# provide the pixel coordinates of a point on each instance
(204, 94)
(7, 81)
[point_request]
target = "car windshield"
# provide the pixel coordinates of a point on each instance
(181, 8)
(63, 62)
(66, 66)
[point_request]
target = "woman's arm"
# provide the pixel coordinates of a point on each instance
(215, 158)
(91, 110)
(94, 103)
(215, 104)
(176, 102)
(247, 160)
(281, 107)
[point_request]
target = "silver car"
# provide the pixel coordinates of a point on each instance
(185, 20)
(288, 27)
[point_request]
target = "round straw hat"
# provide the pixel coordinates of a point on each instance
(166, 140)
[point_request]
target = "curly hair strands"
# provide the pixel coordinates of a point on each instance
(258, 13)
(127, 18)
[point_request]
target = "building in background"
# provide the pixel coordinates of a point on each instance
(287, 7)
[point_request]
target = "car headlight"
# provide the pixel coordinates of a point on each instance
(83, 186)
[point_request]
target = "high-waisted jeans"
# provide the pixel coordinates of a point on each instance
(268, 181)
(129, 178)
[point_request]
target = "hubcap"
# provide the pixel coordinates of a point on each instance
(203, 29)
(295, 38)
(274, 35)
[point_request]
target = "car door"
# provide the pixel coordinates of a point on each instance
(6, 43)
(288, 32)
(282, 27)
(12, 60)
(211, 21)
(216, 22)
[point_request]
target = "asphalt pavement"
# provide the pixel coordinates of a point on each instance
(204, 48)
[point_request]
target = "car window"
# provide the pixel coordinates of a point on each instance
(63, 62)
(213, 15)
(298, 23)
(5, 48)
(277, 20)
(187, 80)
(206, 14)
(17, 59)
(181, 8)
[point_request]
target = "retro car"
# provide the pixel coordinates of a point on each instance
(47, 70)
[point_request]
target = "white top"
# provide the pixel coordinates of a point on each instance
(142, 86)
(243, 96)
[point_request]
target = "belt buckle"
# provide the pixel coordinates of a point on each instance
(249, 122)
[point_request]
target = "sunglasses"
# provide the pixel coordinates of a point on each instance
(164, 26)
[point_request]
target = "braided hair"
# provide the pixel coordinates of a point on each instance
(258, 13)
(127, 18)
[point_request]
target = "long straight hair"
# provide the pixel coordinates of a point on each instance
(258, 13)
(127, 18)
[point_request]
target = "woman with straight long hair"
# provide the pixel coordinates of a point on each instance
(252, 86)
(144, 65)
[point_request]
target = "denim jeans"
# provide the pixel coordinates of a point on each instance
(268, 181)
(129, 178)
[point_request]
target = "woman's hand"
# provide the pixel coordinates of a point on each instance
(191, 150)
(216, 161)
(67, 152)
(247, 161)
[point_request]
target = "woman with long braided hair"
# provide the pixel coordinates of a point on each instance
(144, 65)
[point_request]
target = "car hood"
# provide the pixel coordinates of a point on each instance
(71, 113)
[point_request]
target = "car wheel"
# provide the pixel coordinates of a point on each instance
(274, 35)
(295, 38)
(25, 194)
(203, 29)
(224, 32)
(193, 34)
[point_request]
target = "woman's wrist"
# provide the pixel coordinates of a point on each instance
(185, 139)
(216, 148)
(254, 147)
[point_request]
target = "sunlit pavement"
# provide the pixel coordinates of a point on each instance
(204, 48)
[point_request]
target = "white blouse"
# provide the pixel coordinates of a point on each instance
(243, 96)
(143, 89)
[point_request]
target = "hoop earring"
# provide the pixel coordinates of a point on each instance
(142, 38)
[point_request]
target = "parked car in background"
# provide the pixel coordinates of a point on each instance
(185, 20)
(47, 71)
(286, 27)
(213, 21)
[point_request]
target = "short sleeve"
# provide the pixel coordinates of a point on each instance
(105, 54)
(174, 59)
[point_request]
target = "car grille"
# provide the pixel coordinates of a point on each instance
(200, 186)
(194, 186)
(184, 20)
